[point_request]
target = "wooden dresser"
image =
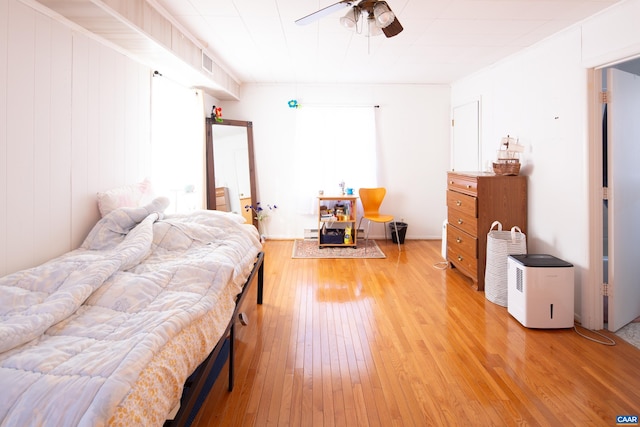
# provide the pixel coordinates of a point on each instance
(222, 199)
(474, 201)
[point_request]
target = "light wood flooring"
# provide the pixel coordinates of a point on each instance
(399, 342)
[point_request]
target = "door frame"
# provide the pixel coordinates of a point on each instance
(592, 296)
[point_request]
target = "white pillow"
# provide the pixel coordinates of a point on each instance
(130, 196)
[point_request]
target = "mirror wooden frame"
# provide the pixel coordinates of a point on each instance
(211, 177)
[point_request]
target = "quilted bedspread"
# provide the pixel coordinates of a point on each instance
(76, 331)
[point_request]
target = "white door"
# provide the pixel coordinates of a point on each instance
(465, 153)
(624, 197)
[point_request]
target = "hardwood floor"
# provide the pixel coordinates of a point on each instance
(399, 342)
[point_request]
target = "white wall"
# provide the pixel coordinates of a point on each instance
(74, 120)
(541, 95)
(414, 138)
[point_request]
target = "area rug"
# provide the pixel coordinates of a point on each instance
(308, 248)
(631, 333)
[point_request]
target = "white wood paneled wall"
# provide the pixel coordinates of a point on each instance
(74, 120)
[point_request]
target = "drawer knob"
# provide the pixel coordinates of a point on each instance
(458, 203)
(458, 240)
(460, 221)
(451, 182)
(460, 258)
(468, 185)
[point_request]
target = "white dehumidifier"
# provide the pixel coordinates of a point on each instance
(540, 291)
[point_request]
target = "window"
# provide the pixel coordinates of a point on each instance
(333, 144)
(177, 144)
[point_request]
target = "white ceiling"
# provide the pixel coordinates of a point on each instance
(257, 41)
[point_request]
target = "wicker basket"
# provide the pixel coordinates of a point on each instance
(501, 244)
(506, 168)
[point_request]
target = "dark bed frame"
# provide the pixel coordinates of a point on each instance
(199, 383)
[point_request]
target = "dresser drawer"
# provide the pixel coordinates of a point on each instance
(461, 242)
(463, 183)
(463, 221)
(462, 260)
(462, 202)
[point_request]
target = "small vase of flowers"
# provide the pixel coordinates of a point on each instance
(261, 214)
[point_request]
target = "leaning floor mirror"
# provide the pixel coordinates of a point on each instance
(231, 181)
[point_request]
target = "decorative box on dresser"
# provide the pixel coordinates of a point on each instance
(474, 201)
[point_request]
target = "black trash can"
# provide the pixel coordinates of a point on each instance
(402, 231)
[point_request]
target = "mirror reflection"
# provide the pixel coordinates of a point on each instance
(230, 169)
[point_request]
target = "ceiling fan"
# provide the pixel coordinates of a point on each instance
(376, 14)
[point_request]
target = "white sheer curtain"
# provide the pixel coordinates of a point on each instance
(333, 144)
(177, 144)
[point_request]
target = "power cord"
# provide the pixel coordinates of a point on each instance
(609, 341)
(442, 265)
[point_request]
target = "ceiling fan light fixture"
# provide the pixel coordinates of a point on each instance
(350, 19)
(373, 28)
(383, 15)
(367, 17)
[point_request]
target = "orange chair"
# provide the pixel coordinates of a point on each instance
(371, 199)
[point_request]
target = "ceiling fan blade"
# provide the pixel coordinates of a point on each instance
(324, 12)
(393, 29)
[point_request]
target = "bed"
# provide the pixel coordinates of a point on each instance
(109, 333)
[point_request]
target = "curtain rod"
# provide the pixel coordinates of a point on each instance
(304, 104)
(157, 73)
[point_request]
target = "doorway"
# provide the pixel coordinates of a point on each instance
(465, 152)
(620, 203)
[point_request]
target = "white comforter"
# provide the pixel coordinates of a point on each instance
(76, 331)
